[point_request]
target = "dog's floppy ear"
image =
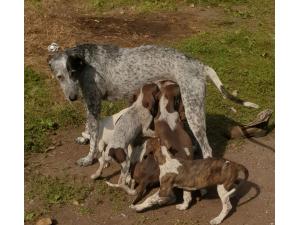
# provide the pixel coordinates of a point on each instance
(117, 154)
(75, 64)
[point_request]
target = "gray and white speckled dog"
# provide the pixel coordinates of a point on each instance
(109, 72)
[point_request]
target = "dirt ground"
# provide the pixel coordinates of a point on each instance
(69, 24)
(255, 201)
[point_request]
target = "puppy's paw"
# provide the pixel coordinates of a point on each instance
(95, 176)
(215, 221)
(85, 161)
(137, 208)
(182, 206)
(82, 141)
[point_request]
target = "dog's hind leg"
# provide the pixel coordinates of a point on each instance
(193, 94)
(187, 198)
(225, 198)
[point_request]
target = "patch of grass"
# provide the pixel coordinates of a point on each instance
(55, 191)
(42, 115)
(138, 5)
(216, 2)
(116, 197)
(244, 61)
(30, 216)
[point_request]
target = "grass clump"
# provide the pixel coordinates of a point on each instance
(138, 5)
(244, 62)
(42, 114)
(55, 191)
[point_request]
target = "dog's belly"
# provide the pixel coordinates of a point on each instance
(186, 187)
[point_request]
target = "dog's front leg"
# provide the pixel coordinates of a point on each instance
(85, 135)
(94, 136)
(146, 128)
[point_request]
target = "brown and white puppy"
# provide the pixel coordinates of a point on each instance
(169, 128)
(193, 175)
(134, 122)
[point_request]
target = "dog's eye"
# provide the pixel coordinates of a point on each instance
(145, 156)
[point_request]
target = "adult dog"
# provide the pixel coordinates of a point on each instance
(109, 72)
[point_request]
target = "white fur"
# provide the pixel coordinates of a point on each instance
(170, 118)
(224, 196)
(170, 166)
(187, 152)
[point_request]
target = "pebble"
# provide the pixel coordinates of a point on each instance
(44, 221)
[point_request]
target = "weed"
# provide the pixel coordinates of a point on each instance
(56, 191)
(138, 6)
(42, 115)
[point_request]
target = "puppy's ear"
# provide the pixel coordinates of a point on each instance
(117, 154)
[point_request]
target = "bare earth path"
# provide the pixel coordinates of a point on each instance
(258, 193)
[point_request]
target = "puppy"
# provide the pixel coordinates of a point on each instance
(169, 128)
(192, 175)
(135, 121)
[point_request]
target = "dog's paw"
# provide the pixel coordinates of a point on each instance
(215, 221)
(95, 176)
(85, 161)
(182, 206)
(137, 208)
(82, 141)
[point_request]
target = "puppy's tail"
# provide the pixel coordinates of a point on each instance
(244, 170)
(211, 73)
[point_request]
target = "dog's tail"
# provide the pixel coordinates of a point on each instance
(211, 73)
(244, 170)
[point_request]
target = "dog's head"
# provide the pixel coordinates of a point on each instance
(150, 102)
(66, 67)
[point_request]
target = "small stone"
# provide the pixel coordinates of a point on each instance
(75, 202)
(192, 5)
(234, 93)
(44, 221)
(233, 110)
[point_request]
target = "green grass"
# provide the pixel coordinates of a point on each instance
(116, 197)
(42, 114)
(56, 191)
(140, 6)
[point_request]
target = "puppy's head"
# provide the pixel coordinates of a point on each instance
(171, 94)
(149, 101)
(153, 147)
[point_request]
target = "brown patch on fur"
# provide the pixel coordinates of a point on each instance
(118, 154)
(202, 173)
(149, 101)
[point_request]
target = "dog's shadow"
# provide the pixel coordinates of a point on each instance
(217, 130)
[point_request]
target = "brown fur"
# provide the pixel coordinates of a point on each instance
(177, 139)
(118, 154)
(147, 171)
(197, 174)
